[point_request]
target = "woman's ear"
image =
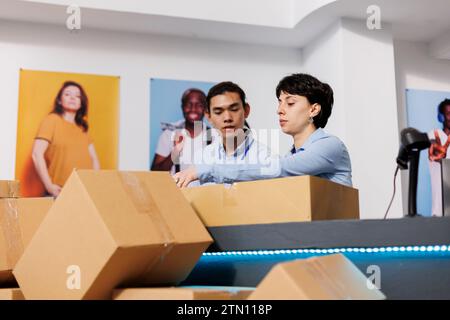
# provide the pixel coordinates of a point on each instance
(315, 109)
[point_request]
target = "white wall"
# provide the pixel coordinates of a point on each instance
(279, 13)
(359, 65)
(323, 59)
(371, 113)
(416, 69)
(135, 58)
(302, 8)
(263, 12)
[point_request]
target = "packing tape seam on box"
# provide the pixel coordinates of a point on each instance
(9, 189)
(12, 191)
(319, 272)
(9, 221)
(144, 203)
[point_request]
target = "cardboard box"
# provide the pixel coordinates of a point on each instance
(291, 199)
(9, 189)
(183, 293)
(19, 220)
(108, 229)
(331, 277)
(11, 294)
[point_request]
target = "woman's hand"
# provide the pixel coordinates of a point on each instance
(53, 189)
(437, 151)
(183, 178)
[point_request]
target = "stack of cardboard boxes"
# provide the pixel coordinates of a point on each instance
(134, 235)
(19, 220)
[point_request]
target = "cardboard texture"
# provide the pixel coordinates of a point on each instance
(19, 220)
(9, 189)
(183, 293)
(331, 277)
(108, 229)
(11, 294)
(291, 199)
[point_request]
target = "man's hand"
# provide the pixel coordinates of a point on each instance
(437, 151)
(184, 177)
(178, 144)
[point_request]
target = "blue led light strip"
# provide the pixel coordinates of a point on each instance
(436, 248)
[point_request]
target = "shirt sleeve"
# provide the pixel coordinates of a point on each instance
(46, 130)
(165, 143)
(320, 157)
(264, 153)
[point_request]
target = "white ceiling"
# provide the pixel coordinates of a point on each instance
(285, 23)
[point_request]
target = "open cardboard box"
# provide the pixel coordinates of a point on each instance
(291, 199)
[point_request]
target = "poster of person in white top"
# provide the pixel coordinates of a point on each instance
(429, 111)
(437, 152)
(178, 130)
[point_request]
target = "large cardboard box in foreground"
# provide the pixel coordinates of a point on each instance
(19, 220)
(9, 189)
(183, 293)
(291, 199)
(331, 277)
(108, 229)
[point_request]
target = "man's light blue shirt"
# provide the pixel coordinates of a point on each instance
(322, 155)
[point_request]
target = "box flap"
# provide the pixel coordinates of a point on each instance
(148, 203)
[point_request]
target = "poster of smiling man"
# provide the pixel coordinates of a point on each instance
(177, 110)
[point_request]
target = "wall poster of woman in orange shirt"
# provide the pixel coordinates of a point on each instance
(78, 131)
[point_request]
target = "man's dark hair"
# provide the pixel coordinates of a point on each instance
(188, 92)
(221, 88)
(443, 104)
(441, 110)
(315, 91)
